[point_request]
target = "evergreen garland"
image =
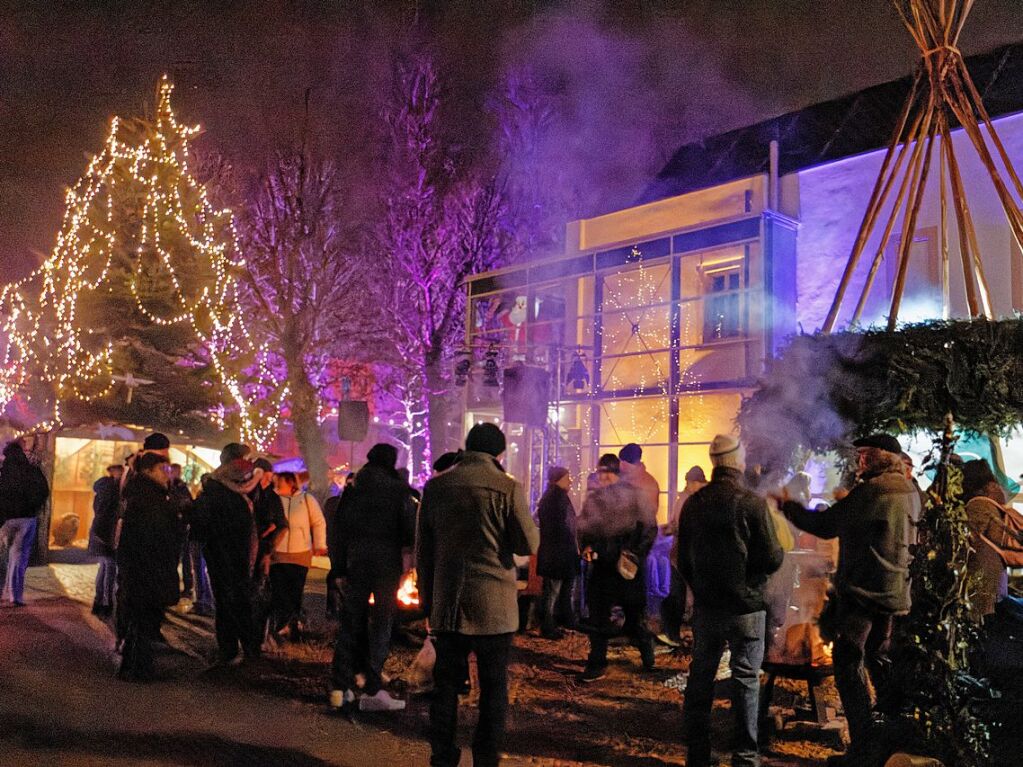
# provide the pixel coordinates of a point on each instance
(933, 694)
(825, 390)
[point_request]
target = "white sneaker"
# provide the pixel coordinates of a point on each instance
(381, 701)
(724, 667)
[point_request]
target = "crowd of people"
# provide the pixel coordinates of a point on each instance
(245, 543)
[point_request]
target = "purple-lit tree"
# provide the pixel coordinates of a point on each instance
(441, 223)
(303, 291)
(540, 195)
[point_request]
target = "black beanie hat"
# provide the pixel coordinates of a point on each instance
(486, 438)
(382, 454)
(156, 441)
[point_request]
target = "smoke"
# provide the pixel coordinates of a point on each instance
(616, 101)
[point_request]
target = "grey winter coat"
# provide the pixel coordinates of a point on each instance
(472, 520)
(874, 526)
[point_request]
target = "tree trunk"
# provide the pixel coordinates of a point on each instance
(304, 411)
(439, 411)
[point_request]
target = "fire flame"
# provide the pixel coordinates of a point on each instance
(408, 591)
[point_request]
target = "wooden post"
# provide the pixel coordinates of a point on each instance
(946, 299)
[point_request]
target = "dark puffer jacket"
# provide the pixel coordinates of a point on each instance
(149, 548)
(558, 556)
(873, 525)
(727, 545)
(376, 519)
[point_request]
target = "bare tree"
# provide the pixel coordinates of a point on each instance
(304, 295)
(441, 223)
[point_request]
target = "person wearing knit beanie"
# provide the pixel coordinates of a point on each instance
(726, 450)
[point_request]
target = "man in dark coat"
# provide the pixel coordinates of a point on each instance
(557, 561)
(105, 507)
(727, 548)
(23, 491)
(617, 528)
(874, 526)
(223, 521)
(376, 523)
(472, 522)
(147, 562)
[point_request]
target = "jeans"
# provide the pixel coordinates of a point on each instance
(557, 604)
(364, 635)
(744, 635)
(106, 581)
(198, 581)
(18, 536)
(449, 674)
(861, 642)
(287, 584)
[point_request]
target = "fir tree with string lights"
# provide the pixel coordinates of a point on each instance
(134, 316)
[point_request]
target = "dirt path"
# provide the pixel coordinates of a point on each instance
(61, 705)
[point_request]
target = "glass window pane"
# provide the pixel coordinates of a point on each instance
(643, 420)
(636, 371)
(639, 286)
(702, 416)
(636, 330)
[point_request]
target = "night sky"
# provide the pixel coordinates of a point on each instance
(634, 78)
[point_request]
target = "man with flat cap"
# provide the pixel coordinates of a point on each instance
(473, 521)
(873, 524)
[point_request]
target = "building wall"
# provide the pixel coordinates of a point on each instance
(831, 202)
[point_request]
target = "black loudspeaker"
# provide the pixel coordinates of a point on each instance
(525, 395)
(352, 420)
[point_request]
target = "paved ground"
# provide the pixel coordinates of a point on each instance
(61, 705)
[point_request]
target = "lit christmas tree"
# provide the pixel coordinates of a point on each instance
(134, 316)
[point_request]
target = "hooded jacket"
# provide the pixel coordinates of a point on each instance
(376, 519)
(149, 546)
(727, 545)
(222, 519)
(874, 526)
(472, 522)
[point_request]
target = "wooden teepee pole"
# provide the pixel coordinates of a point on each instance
(918, 131)
(878, 196)
(908, 228)
(946, 298)
(962, 216)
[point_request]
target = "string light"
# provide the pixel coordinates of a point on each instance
(177, 236)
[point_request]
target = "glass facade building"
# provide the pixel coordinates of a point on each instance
(650, 329)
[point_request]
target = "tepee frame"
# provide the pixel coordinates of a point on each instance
(942, 93)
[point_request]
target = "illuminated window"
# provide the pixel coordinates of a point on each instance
(722, 303)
